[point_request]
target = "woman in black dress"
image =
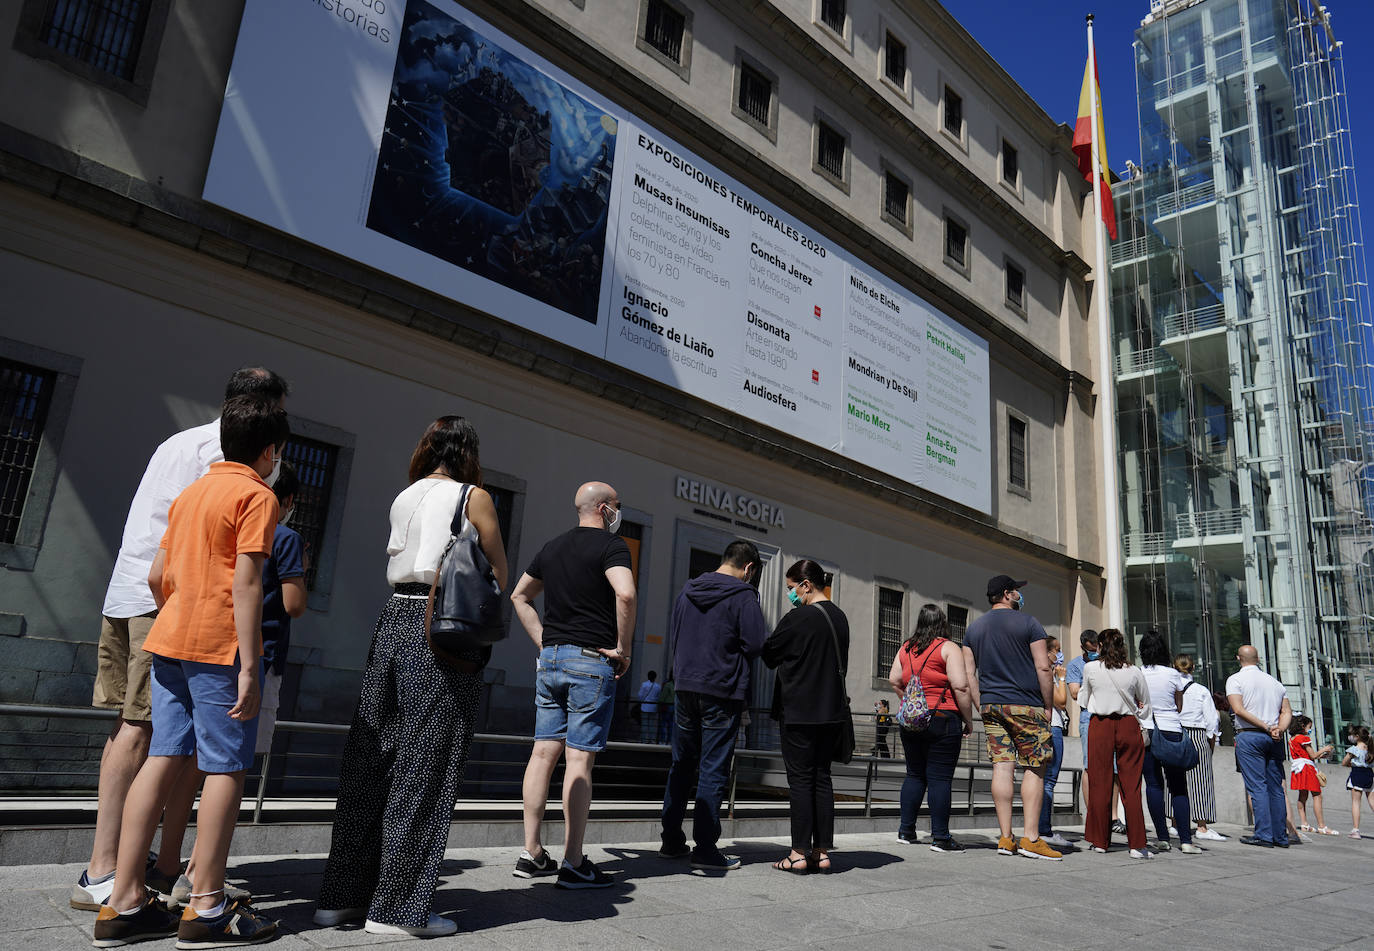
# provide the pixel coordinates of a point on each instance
(810, 651)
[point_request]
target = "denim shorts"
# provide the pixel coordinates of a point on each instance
(574, 697)
(191, 703)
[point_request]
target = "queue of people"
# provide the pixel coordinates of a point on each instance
(193, 662)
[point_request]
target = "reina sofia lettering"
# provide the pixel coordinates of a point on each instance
(724, 500)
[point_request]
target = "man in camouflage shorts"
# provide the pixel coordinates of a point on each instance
(1009, 672)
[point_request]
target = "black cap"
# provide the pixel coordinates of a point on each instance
(1000, 583)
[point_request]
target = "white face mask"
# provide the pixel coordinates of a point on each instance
(286, 516)
(613, 525)
(271, 479)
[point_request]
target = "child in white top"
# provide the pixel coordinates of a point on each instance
(1361, 781)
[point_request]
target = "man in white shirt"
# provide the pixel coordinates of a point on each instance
(121, 681)
(1259, 707)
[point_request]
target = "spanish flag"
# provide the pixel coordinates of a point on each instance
(1086, 138)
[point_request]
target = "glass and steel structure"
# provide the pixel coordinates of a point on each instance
(1243, 347)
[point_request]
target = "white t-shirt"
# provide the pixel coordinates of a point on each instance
(179, 461)
(1198, 708)
(1261, 694)
(421, 517)
(1163, 682)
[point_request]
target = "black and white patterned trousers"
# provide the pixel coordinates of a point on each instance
(402, 765)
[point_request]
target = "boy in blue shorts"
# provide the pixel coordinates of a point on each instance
(206, 682)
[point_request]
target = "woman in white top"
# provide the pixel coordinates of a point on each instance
(1202, 725)
(1115, 696)
(408, 745)
(1166, 700)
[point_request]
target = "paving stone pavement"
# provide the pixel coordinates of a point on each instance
(883, 894)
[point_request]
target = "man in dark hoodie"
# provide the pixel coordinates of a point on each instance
(717, 628)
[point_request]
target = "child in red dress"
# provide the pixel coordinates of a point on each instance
(1305, 778)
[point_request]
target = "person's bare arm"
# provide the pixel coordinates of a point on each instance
(957, 672)
(247, 599)
(1285, 718)
(294, 597)
(522, 599)
(1040, 656)
(971, 671)
(482, 515)
(894, 675)
(155, 577)
(622, 582)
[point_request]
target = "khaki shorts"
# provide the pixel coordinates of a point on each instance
(1017, 734)
(121, 677)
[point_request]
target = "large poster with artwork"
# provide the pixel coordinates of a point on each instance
(442, 151)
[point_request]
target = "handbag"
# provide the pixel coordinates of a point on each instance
(844, 742)
(914, 713)
(464, 609)
(1179, 753)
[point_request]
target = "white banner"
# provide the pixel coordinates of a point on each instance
(419, 140)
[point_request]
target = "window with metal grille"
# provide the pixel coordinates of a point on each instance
(25, 395)
(832, 14)
(664, 28)
(956, 243)
(1016, 286)
(957, 615)
(896, 195)
(1011, 170)
(890, 634)
(954, 113)
(315, 463)
(105, 34)
(755, 94)
(1016, 451)
(894, 63)
(830, 149)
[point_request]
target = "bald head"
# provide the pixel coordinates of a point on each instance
(589, 502)
(1247, 655)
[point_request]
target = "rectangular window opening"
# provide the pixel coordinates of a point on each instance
(954, 113)
(1016, 286)
(832, 14)
(957, 615)
(25, 395)
(105, 34)
(664, 28)
(1016, 451)
(1010, 169)
(895, 197)
(755, 94)
(956, 243)
(890, 634)
(315, 463)
(830, 148)
(895, 62)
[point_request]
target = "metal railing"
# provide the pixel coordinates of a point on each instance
(1192, 321)
(875, 773)
(1215, 522)
(1184, 198)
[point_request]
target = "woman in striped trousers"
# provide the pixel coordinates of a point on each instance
(1202, 726)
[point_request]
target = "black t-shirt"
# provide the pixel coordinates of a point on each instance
(809, 688)
(579, 603)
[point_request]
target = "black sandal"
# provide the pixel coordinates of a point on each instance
(822, 864)
(795, 866)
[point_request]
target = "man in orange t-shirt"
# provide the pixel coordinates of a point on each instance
(206, 680)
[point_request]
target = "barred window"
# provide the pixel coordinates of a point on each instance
(315, 462)
(958, 622)
(896, 198)
(889, 627)
(832, 15)
(954, 113)
(755, 94)
(956, 243)
(106, 34)
(1016, 451)
(1011, 169)
(25, 395)
(830, 149)
(664, 28)
(1016, 286)
(894, 63)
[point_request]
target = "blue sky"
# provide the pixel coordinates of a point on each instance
(1043, 45)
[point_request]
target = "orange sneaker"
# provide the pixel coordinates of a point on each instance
(1006, 845)
(1038, 849)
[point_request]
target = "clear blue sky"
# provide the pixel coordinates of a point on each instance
(1043, 45)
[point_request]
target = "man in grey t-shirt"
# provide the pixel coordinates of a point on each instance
(1009, 671)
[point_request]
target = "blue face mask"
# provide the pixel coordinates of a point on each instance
(1019, 603)
(1059, 658)
(1091, 655)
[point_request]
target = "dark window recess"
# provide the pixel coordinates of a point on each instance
(1016, 452)
(105, 34)
(889, 628)
(956, 242)
(830, 146)
(958, 622)
(755, 94)
(664, 28)
(895, 195)
(314, 462)
(504, 500)
(954, 113)
(1016, 286)
(832, 15)
(1011, 170)
(25, 394)
(895, 62)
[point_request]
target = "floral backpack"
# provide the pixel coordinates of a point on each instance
(914, 713)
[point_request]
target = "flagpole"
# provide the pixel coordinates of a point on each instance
(1111, 520)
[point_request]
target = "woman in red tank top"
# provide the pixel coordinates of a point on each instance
(931, 754)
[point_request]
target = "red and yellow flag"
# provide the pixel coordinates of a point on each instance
(1083, 142)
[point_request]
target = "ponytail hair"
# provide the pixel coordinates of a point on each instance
(808, 570)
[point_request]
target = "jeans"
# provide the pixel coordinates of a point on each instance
(806, 752)
(703, 743)
(930, 759)
(1260, 759)
(1156, 776)
(1051, 780)
(574, 697)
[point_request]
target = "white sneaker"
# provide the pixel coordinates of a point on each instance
(1211, 835)
(437, 927)
(1173, 831)
(89, 895)
(329, 917)
(1187, 848)
(1141, 854)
